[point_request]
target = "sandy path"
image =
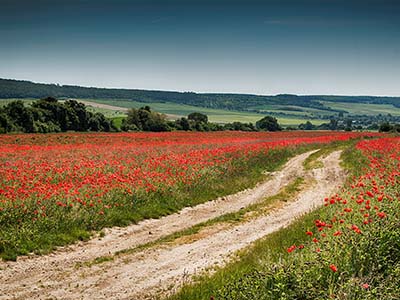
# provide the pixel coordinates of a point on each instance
(132, 276)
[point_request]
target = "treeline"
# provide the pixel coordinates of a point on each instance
(144, 119)
(49, 115)
(241, 102)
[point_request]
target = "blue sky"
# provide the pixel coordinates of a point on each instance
(262, 47)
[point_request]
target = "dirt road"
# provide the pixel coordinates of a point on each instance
(137, 275)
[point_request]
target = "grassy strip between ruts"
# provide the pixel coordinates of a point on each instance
(251, 211)
(269, 269)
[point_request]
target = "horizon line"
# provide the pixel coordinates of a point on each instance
(202, 92)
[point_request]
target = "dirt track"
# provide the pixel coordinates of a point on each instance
(137, 275)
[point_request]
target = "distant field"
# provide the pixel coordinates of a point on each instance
(364, 109)
(4, 102)
(294, 110)
(215, 115)
(117, 109)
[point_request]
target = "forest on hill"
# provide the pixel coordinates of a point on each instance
(242, 102)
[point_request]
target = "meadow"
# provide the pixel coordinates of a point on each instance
(59, 188)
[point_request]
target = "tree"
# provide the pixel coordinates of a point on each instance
(349, 125)
(333, 124)
(183, 124)
(49, 115)
(146, 120)
(5, 123)
(385, 127)
(307, 126)
(21, 116)
(198, 117)
(268, 123)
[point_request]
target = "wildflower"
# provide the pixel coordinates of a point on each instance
(333, 268)
(381, 214)
(365, 286)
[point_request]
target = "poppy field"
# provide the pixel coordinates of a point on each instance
(347, 249)
(59, 188)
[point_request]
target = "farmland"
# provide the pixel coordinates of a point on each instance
(59, 187)
(173, 111)
(56, 189)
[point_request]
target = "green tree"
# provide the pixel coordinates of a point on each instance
(385, 127)
(307, 126)
(268, 123)
(22, 116)
(146, 120)
(6, 124)
(198, 117)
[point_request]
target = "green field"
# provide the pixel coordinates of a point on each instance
(295, 115)
(4, 102)
(214, 115)
(364, 108)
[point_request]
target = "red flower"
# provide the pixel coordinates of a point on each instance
(333, 268)
(381, 214)
(291, 248)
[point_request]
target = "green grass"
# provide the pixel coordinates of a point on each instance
(313, 162)
(118, 121)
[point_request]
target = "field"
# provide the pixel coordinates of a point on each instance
(294, 115)
(364, 108)
(174, 111)
(56, 189)
(117, 108)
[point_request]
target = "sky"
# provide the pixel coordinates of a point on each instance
(340, 47)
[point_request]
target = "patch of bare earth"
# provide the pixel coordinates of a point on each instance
(150, 271)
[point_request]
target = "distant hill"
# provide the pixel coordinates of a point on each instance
(240, 102)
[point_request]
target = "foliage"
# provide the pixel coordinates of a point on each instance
(49, 115)
(268, 123)
(387, 127)
(144, 119)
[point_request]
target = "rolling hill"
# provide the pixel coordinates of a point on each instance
(292, 109)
